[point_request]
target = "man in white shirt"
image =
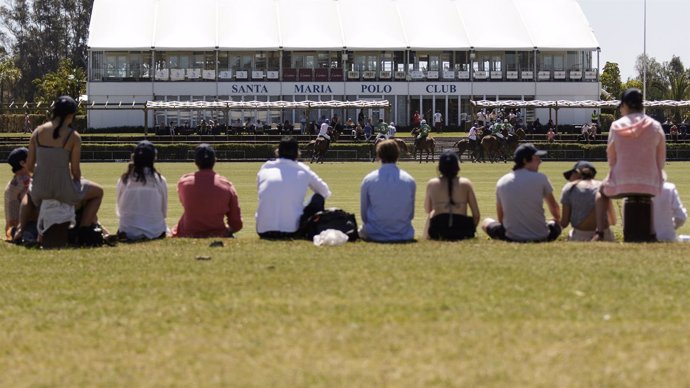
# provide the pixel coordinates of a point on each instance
(474, 140)
(438, 121)
(481, 117)
(323, 131)
(282, 185)
(669, 212)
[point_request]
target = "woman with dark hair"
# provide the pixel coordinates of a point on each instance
(54, 151)
(447, 200)
(142, 197)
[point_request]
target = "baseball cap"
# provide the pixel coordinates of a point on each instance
(579, 165)
(16, 156)
(64, 105)
(632, 97)
(144, 153)
(204, 154)
(526, 150)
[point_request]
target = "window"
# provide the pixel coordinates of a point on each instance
(303, 60)
(462, 60)
(240, 61)
(386, 61)
(365, 61)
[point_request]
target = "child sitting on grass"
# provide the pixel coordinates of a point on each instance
(16, 189)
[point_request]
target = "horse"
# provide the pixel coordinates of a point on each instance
(402, 146)
(520, 133)
(427, 144)
(511, 143)
(464, 145)
(673, 132)
(491, 147)
(319, 147)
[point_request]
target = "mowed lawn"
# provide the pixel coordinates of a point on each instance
(475, 313)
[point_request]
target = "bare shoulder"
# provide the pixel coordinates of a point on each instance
(433, 182)
(465, 182)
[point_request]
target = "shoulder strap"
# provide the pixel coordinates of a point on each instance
(67, 138)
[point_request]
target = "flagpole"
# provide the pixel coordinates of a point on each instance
(644, 71)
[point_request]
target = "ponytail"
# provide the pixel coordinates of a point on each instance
(450, 190)
(56, 130)
(449, 166)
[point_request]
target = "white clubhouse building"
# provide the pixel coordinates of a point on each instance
(426, 56)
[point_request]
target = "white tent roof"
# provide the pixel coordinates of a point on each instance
(338, 24)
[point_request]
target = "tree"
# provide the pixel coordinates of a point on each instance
(66, 80)
(43, 32)
(9, 75)
(611, 79)
(657, 83)
(632, 83)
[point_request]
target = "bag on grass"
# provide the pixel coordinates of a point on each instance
(332, 219)
(87, 236)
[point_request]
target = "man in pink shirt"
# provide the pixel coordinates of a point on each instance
(207, 199)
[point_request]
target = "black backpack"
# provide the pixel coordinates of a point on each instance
(332, 219)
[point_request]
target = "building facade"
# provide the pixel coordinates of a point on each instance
(430, 57)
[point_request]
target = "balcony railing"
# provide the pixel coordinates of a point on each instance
(339, 75)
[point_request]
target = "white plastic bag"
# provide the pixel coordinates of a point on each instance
(330, 237)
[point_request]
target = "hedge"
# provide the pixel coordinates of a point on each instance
(238, 151)
(15, 122)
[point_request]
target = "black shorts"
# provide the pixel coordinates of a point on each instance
(497, 231)
(451, 227)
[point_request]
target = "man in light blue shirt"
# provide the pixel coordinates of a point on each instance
(387, 199)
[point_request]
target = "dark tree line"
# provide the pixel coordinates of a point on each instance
(40, 34)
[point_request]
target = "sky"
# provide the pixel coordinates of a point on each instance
(618, 26)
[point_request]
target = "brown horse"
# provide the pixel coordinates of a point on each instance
(319, 147)
(520, 133)
(427, 144)
(464, 145)
(491, 147)
(402, 146)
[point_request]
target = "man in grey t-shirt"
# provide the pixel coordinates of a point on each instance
(520, 195)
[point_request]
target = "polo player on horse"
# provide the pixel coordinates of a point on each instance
(423, 133)
(324, 132)
(381, 130)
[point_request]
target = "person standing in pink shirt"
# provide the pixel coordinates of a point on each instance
(636, 154)
(208, 199)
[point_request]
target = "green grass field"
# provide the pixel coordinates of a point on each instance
(475, 313)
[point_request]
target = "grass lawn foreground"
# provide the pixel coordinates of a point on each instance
(475, 313)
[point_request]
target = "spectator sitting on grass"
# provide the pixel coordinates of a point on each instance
(282, 185)
(54, 159)
(520, 195)
(16, 189)
(142, 197)
(207, 200)
(387, 199)
(578, 200)
(669, 212)
(448, 198)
